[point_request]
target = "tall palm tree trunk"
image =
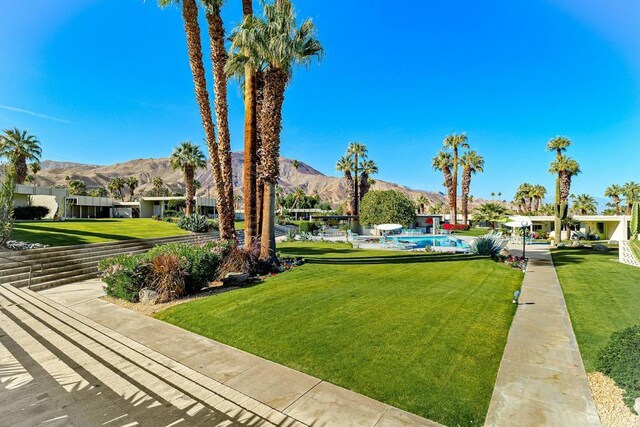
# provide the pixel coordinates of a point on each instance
(219, 61)
(250, 145)
(259, 166)
(466, 186)
(194, 48)
(356, 195)
(275, 83)
(454, 190)
(188, 189)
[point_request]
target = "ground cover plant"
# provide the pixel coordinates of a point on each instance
(73, 232)
(602, 297)
(424, 332)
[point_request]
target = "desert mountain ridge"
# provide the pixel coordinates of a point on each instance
(330, 188)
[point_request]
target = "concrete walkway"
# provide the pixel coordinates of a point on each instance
(542, 380)
(67, 344)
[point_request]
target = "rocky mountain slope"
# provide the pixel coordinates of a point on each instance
(330, 188)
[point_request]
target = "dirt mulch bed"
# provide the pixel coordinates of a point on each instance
(608, 398)
(151, 309)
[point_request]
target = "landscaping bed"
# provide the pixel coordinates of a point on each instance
(423, 332)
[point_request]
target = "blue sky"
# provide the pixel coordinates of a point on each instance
(109, 81)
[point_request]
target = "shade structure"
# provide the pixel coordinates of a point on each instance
(520, 220)
(514, 224)
(388, 227)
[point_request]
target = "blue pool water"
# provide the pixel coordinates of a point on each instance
(428, 241)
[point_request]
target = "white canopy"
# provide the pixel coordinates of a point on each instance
(388, 227)
(519, 221)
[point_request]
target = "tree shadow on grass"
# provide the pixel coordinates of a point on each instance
(568, 256)
(397, 259)
(60, 237)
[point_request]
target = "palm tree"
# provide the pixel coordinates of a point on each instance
(345, 165)
(99, 192)
(489, 212)
(359, 153)
(116, 185)
(158, 183)
(219, 62)
(35, 167)
(493, 195)
(299, 196)
(614, 191)
(455, 142)
(525, 194)
(77, 187)
(279, 44)
(559, 144)
(566, 168)
(367, 168)
(422, 202)
(538, 192)
(19, 147)
(443, 163)
(472, 163)
(631, 191)
(132, 183)
(295, 164)
(188, 157)
(584, 204)
(194, 49)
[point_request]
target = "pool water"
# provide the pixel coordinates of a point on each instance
(428, 241)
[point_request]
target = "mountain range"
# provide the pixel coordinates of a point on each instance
(329, 188)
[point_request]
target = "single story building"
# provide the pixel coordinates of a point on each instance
(65, 205)
(606, 227)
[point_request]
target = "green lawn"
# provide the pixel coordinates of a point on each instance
(603, 296)
(481, 231)
(73, 232)
(239, 225)
(423, 332)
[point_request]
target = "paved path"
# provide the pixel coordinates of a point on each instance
(69, 358)
(542, 380)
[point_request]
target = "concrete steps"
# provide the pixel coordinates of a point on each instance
(62, 265)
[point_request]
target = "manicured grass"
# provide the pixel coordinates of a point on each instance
(239, 225)
(603, 296)
(423, 332)
(473, 232)
(74, 232)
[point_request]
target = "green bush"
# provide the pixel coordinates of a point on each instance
(620, 360)
(194, 223)
(30, 212)
(124, 276)
(307, 227)
(203, 261)
(168, 213)
(387, 207)
(485, 245)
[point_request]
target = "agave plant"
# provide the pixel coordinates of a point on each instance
(194, 223)
(486, 246)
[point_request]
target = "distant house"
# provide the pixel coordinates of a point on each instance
(606, 227)
(65, 205)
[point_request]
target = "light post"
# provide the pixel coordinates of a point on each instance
(524, 224)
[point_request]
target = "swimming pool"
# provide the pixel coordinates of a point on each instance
(429, 241)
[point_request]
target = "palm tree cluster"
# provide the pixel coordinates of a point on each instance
(264, 52)
(357, 169)
(23, 152)
(629, 193)
(448, 160)
(528, 198)
(116, 187)
(583, 204)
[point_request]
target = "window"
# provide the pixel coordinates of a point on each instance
(600, 227)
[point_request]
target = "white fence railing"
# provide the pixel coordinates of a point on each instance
(626, 255)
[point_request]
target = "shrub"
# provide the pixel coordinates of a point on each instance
(124, 276)
(307, 227)
(485, 245)
(620, 360)
(168, 213)
(203, 261)
(194, 223)
(176, 204)
(241, 260)
(30, 212)
(455, 227)
(168, 274)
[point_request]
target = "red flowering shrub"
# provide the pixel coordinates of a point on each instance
(455, 227)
